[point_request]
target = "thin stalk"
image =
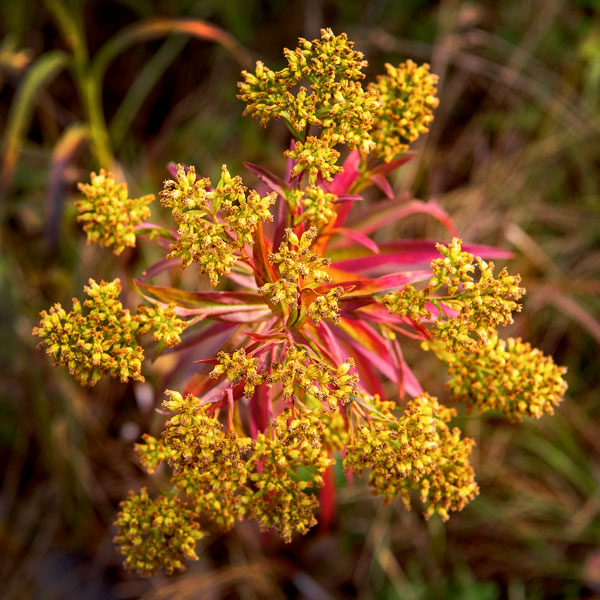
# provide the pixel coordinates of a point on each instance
(89, 88)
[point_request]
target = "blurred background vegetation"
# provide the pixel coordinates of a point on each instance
(514, 156)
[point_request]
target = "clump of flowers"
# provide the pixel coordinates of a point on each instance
(316, 313)
(507, 375)
(156, 533)
(298, 267)
(318, 206)
(213, 225)
(109, 215)
(407, 96)
(471, 307)
(417, 450)
(105, 338)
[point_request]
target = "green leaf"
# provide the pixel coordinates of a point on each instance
(43, 70)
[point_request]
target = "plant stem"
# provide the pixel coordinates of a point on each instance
(89, 88)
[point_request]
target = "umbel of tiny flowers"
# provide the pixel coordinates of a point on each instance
(213, 224)
(105, 337)
(415, 451)
(297, 266)
(334, 100)
(313, 322)
(507, 375)
(222, 477)
(160, 531)
(108, 214)
(407, 97)
(471, 307)
(321, 90)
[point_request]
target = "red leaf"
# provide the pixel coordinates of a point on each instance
(201, 337)
(343, 181)
(259, 337)
(386, 282)
(384, 213)
(330, 342)
(271, 180)
(413, 252)
(370, 381)
(261, 256)
(327, 500)
(385, 169)
(159, 267)
(407, 382)
(383, 184)
(198, 384)
(356, 236)
(259, 409)
(348, 198)
(225, 301)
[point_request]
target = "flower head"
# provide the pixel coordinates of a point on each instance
(99, 340)
(507, 375)
(213, 224)
(480, 305)
(417, 451)
(298, 267)
(407, 97)
(156, 533)
(108, 214)
(281, 501)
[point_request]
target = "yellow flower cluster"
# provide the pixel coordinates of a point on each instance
(318, 206)
(204, 237)
(408, 302)
(105, 339)
(155, 534)
(298, 267)
(336, 434)
(383, 119)
(281, 501)
(407, 95)
(208, 466)
(335, 100)
(507, 375)
(239, 367)
(108, 214)
(417, 451)
(162, 321)
(482, 304)
(315, 156)
(224, 478)
(326, 306)
(301, 369)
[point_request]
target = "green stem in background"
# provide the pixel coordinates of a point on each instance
(86, 79)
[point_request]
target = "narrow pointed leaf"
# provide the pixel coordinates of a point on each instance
(261, 257)
(356, 236)
(41, 72)
(385, 169)
(271, 180)
(343, 181)
(383, 184)
(204, 301)
(384, 213)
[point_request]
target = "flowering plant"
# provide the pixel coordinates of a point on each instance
(314, 311)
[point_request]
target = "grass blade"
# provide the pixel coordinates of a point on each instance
(39, 74)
